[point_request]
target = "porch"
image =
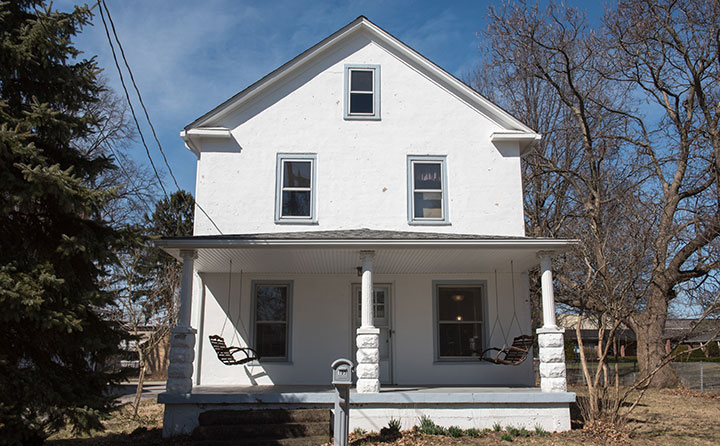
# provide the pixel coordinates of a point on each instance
(466, 407)
(443, 296)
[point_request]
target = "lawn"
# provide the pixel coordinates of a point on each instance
(665, 417)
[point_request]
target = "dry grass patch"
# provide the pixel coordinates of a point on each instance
(121, 428)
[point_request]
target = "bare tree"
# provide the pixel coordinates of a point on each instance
(667, 53)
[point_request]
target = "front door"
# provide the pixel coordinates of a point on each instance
(381, 320)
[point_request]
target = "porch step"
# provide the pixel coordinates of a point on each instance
(278, 427)
(303, 441)
(269, 416)
(284, 430)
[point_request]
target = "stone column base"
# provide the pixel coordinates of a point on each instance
(368, 358)
(182, 354)
(552, 359)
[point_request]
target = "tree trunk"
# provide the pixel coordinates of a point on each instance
(651, 350)
(141, 381)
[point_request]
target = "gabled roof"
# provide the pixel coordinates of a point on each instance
(514, 129)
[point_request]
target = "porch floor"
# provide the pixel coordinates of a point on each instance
(292, 394)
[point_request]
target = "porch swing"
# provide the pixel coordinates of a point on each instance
(517, 352)
(226, 354)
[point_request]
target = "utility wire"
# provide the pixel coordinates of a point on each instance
(132, 109)
(102, 5)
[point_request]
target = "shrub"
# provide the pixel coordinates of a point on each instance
(540, 431)
(524, 432)
(428, 426)
(454, 431)
(507, 437)
(512, 431)
(392, 429)
(472, 432)
(497, 427)
(359, 431)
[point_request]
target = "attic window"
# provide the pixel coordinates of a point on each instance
(362, 92)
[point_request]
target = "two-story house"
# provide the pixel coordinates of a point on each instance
(361, 202)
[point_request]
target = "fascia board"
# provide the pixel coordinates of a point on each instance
(192, 136)
(526, 140)
(539, 245)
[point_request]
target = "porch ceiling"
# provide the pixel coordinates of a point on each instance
(338, 252)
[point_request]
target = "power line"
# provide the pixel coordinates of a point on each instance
(142, 104)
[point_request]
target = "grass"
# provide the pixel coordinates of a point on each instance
(665, 417)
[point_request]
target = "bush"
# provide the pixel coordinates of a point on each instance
(359, 431)
(454, 431)
(512, 431)
(428, 426)
(507, 437)
(472, 432)
(497, 427)
(539, 431)
(392, 429)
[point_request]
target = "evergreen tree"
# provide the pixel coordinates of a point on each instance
(54, 245)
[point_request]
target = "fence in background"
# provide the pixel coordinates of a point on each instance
(700, 376)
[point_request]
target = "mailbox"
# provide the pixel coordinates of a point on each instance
(342, 372)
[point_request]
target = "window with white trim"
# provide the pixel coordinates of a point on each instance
(362, 92)
(271, 319)
(295, 196)
(460, 324)
(427, 190)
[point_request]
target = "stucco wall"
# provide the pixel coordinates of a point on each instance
(322, 330)
(361, 165)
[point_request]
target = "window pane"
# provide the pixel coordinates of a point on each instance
(460, 339)
(361, 80)
(460, 304)
(428, 205)
(271, 340)
(296, 204)
(428, 176)
(271, 303)
(297, 174)
(361, 103)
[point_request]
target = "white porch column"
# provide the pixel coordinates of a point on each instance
(368, 337)
(182, 341)
(550, 336)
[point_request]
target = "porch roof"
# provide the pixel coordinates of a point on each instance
(336, 252)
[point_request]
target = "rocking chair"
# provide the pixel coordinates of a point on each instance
(512, 355)
(226, 354)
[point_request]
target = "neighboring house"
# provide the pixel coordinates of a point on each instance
(361, 196)
(156, 362)
(689, 332)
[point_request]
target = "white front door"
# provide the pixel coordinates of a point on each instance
(381, 320)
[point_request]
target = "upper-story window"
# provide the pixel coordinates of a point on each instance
(427, 190)
(295, 195)
(362, 92)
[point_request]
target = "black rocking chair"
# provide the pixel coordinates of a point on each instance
(226, 354)
(512, 355)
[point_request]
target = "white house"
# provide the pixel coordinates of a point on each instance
(361, 202)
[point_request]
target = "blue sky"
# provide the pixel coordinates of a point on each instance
(188, 57)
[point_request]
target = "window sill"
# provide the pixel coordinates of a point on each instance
(296, 222)
(361, 118)
(429, 223)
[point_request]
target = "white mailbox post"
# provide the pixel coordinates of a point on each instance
(342, 371)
